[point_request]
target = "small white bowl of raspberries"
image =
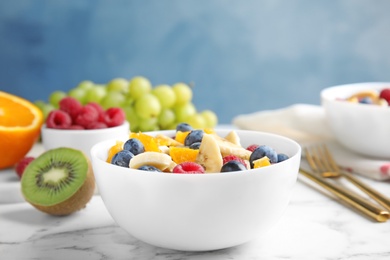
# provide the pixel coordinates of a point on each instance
(81, 126)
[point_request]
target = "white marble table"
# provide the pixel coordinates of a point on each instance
(314, 226)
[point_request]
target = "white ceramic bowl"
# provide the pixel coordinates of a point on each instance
(198, 212)
(362, 128)
(81, 139)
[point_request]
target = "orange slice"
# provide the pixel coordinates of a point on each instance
(183, 154)
(118, 146)
(181, 136)
(20, 125)
(150, 143)
(262, 162)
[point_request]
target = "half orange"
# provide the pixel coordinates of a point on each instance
(20, 125)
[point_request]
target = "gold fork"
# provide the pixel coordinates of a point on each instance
(321, 160)
(317, 163)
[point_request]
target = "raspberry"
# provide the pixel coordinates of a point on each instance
(58, 119)
(71, 106)
(87, 116)
(97, 125)
(100, 110)
(22, 164)
(114, 116)
(232, 157)
(385, 94)
(252, 147)
(188, 167)
(76, 127)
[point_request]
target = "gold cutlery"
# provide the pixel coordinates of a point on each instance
(321, 161)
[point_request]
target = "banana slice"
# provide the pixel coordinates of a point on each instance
(233, 137)
(161, 161)
(209, 155)
(228, 148)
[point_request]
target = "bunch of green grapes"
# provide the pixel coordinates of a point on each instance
(147, 107)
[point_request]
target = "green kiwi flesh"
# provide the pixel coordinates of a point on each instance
(59, 181)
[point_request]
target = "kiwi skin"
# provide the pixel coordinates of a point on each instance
(74, 203)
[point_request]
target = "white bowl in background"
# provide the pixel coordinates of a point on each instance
(199, 212)
(361, 128)
(81, 139)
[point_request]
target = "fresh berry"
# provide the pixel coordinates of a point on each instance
(58, 119)
(282, 157)
(97, 125)
(100, 110)
(366, 100)
(231, 157)
(87, 116)
(233, 166)
(22, 164)
(122, 158)
(149, 168)
(134, 145)
(195, 145)
(114, 116)
(261, 151)
(188, 167)
(76, 127)
(385, 94)
(71, 106)
(252, 147)
(183, 127)
(193, 137)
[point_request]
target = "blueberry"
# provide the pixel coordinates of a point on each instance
(149, 168)
(366, 100)
(194, 136)
(233, 166)
(122, 158)
(183, 127)
(282, 157)
(195, 146)
(134, 146)
(261, 151)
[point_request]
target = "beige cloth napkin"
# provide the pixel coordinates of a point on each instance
(306, 124)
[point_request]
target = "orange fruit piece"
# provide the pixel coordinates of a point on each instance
(118, 146)
(183, 154)
(150, 143)
(262, 162)
(181, 136)
(20, 126)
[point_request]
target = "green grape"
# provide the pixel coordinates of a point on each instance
(46, 108)
(150, 124)
(85, 85)
(56, 96)
(183, 93)
(113, 99)
(95, 94)
(210, 118)
(166, 118)
(139, 86)
(78, 93)
(165, 94)
(183, 112)
(147, 106)
(132, 118)
(197, 121)
(118, 84)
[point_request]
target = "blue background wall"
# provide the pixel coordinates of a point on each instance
(243, 56)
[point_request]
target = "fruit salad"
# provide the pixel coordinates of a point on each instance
(380, 98)
(191, 151)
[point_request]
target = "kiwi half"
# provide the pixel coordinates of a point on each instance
(59, 182)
